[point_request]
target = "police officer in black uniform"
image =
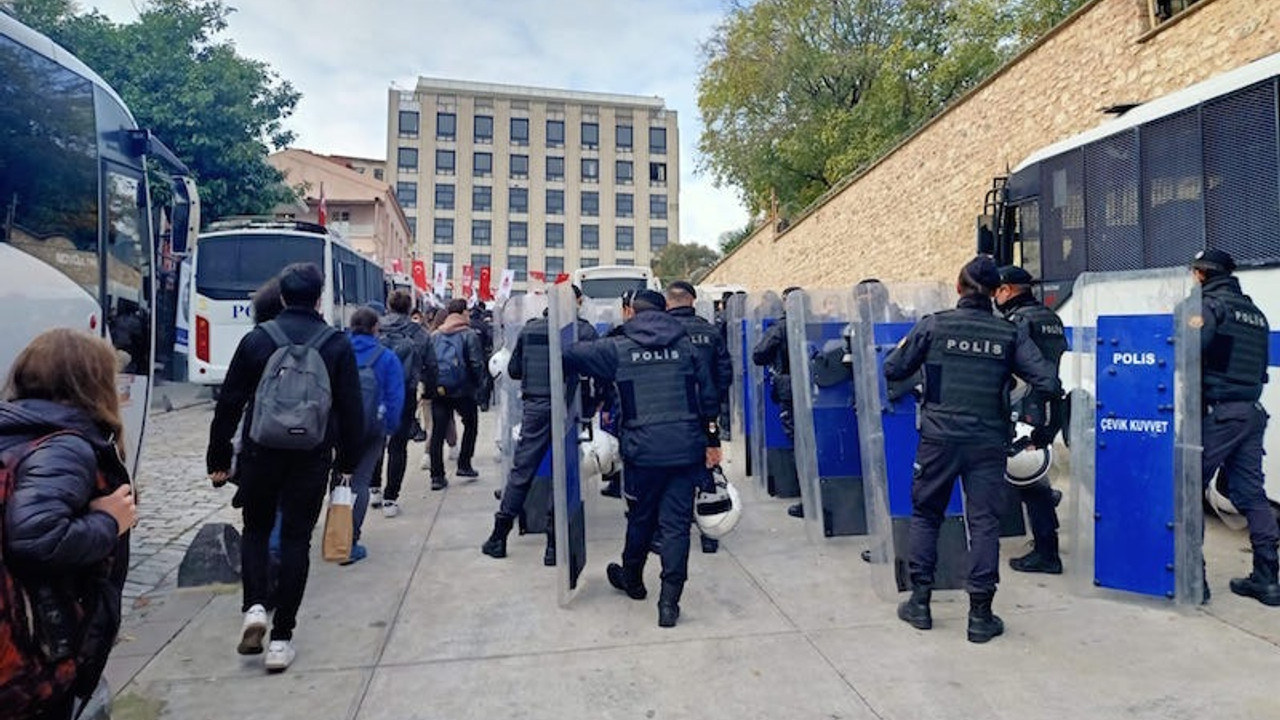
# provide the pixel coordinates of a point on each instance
(969, 357)
(1233, 342)
(669, 437)
(1015, 301)
(710, 344)
(530, 363)
(771, 352)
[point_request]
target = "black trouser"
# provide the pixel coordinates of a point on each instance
(1232, 435)
(295, 483)
(660, 500)
(535, 438)
(787, 416)
(1044, 517)
(398, 448)
(981, 468)
(441, 409)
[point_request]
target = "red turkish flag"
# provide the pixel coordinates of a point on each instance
(486, 292)
(538, 275)
(562, 278)
(397, 266)
(467, 277)
(323, 211)
(420, 275)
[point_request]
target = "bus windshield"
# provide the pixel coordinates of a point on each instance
(231, 267)
(608, 288)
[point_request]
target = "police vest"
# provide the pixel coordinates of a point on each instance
(1046, 330)
(703, 336)
(1235, 361)
(656, 385)
(537, 360)
(968, 365)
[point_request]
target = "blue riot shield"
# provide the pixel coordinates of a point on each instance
(736, 321)
(1135, 429)
(888, 436)
(773, 419)
(566, 425)
(828, 457)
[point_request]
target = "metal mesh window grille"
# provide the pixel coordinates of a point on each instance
(1172, 190)
(1242, 179)
(1062, 227)
(1111, 197)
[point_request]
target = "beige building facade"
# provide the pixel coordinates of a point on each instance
(533, 179)
(912, 215)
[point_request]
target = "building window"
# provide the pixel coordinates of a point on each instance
(519, 166)
(445, 162)
(1163, 10)
(624, 205)
(377, 173)
(625, 262)
(624, 137)
(518, 200)
(482, 232)
(555, 202)
(658, 140)
(446, 126)
(478, 261)
(517, 234)
(341, 216)
(657, 173)
(482, 198)
(519, 265)
(555, 168)
(444, 197)
(590, 237)
(555, 133)
(624, 238)
(407, 159)
(555, 267)
(591, 204)
(413, 228)
(519, 131)
(408, 123)
(407, 194)
(482, 164)
(658, 207)
(444, 231)
(555, 235)
(624, 172)
(589, 262)
(590, 135)
(590, 170)
(440, 257)
(657, 238)
(484, 130)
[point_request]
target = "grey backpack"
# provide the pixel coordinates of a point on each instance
(291, 406)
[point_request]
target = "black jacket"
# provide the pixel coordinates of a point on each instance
(515, 364)
(50, 535)
(425, 370)
(247, 366)
(721, 363)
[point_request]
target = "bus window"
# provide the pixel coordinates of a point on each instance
(350, 284)
(1172, 190)
(128, 292)
(1062, 238)
(231, 267)
(1111, 176)
(1242, 195)
(1028, 234)
(611, 287)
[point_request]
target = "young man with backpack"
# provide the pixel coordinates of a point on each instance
(460, 368)
(411, 344)
(299, 376)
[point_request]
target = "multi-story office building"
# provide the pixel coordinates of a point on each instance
(532, 179)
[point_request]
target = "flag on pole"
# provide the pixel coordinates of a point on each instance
(504, 287)
(442, 276)
(538, 275)
(420, 275)
(323, 212)
(397, 266)
(485, 289)
(467, 279)
(562, 278)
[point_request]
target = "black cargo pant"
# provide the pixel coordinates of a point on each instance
(442, 409)
(398, 449)
(1232, 435)
(1043, 516)
(661, 500)
(535, 439)
(980, 468)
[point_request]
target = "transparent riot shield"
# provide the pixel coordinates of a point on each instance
(1135, 435)
(705, 309)
(566, 424)
(603, 314)
(828, 458)
(774, 452)
(740, 398)
(888, 435)
(512, 318)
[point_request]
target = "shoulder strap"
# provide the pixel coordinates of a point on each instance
(276, 333)
(373, 358)
(320, 338)
(14, 456)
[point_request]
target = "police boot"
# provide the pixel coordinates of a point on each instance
(496, 545)
(669, 604)
(983, 624)
(1261, 585)
(549, 555)
(915, 611)
(628, 581)
(1043, 558)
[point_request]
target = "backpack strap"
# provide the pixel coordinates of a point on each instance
(320, 338)
(276, 333)
(377, 353)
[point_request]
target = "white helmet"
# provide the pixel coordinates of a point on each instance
(1222, 505)
(1028, 465)
(498, 363)
(717, 513)
(600, 453)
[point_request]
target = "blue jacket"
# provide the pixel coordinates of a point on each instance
(390, 378)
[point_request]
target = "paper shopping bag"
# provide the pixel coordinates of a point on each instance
(339, 524)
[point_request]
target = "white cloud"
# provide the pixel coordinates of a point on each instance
(343, 56)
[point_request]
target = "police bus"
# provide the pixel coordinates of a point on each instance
(234, 257)
(78, 242)
(1196, 169)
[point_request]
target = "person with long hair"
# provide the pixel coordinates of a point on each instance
(67, 519)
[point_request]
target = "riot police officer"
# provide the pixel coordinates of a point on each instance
(709, 343)
(670, 436)
(1233, 342)
(530, 364)
(772, 352)
(969, 357)
(1015, 301)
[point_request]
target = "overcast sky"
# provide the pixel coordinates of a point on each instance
(344, 55)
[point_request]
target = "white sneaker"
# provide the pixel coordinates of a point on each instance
(390, 508)
(253, 630)
(375, 497)
(426, 462)
(280, 654)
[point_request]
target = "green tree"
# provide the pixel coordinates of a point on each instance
(687, 261)
(729, 240)
(220, 112)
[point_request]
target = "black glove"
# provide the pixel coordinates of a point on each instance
(1043, 436)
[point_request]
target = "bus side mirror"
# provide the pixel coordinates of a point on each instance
(986, 236)
(185, 218)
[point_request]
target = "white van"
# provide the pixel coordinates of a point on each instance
(607, 282)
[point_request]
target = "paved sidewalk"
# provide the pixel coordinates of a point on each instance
(773, 626)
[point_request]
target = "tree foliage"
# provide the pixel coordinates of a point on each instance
(688, 261)
(729, 240)
(220, 112)
(796, 94)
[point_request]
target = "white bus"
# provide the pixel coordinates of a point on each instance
(1196, 169)
(77, 246)
(608, 282)
(235, 257)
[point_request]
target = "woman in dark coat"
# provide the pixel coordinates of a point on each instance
(67, 520)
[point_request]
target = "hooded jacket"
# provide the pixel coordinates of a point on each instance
(424, 360)
(390, 379)
(51, 536)
(461, 323)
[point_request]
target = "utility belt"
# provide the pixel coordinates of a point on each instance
(1214, 406)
